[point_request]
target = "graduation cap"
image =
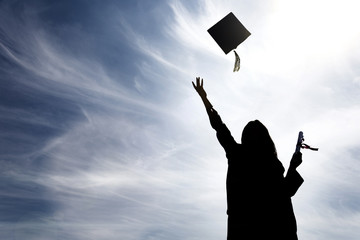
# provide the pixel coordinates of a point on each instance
(228, 33)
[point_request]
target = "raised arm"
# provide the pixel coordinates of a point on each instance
(293, 180)
(222, 132)
(200, 90)
(214, 117)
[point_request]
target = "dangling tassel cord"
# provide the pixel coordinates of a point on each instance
(237, 62)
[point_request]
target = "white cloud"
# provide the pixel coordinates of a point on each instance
(149, 167)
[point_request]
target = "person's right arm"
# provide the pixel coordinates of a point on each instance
(223, 134)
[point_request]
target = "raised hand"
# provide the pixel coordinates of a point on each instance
(199, 87)
(296, 160)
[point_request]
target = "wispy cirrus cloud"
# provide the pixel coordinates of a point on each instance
(103, 135)
(111, 168)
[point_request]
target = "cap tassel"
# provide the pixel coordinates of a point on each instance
(237, 62)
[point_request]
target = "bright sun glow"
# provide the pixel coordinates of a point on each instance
(320, 29)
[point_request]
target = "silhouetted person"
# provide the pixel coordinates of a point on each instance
(258, 195)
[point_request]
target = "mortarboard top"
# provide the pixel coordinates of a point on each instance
(228, 33)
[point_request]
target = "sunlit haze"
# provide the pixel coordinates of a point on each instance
(103, 136)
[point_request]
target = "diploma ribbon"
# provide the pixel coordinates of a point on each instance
(300, 143)
(303, 145)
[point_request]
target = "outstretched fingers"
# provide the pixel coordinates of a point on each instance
(199, 87)
(198, 83)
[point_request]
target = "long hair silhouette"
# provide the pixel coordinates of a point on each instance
(256, 138)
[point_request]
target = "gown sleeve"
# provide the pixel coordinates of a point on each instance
(222, 132)
(293, 181)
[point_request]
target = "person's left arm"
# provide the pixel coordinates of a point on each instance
(293, 179)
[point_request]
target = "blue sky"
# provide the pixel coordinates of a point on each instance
(103, 137)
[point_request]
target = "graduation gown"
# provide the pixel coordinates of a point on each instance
(258, 195)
